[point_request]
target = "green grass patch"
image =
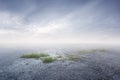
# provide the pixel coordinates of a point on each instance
(34, 55)
(48, 59)
(59, 56)
(43, 55)
(92, 51)
(102, 50)
(84, 51)
(73, 57)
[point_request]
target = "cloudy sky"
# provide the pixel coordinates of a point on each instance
(59, 21)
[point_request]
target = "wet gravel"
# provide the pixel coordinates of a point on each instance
(97, 66)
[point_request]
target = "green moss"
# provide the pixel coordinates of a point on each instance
(48, 59)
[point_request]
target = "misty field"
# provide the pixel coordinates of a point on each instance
(64, 63)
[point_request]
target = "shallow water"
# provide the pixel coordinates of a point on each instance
(97, 66)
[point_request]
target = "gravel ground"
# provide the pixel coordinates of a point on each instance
(97, 66)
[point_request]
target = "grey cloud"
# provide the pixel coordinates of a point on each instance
(91, 15)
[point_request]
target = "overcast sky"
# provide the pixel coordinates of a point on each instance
(59, 21)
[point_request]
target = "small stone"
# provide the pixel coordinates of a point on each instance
(116, 77)
(1, 71)
(26, 63)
